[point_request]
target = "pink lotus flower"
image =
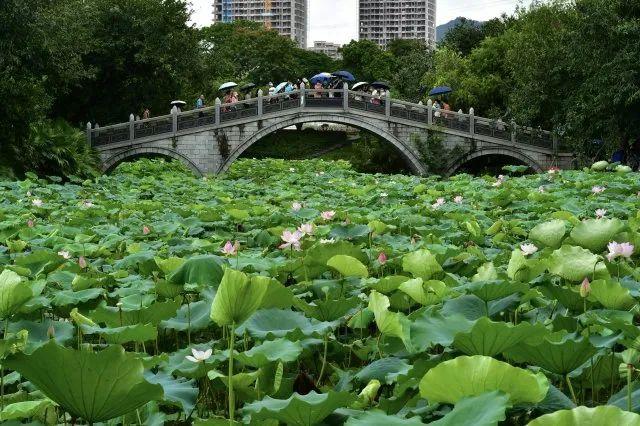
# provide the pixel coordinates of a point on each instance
(306, 229)
(37, 202)
(291, 239)
(600, 213)
(553, 170)
(65, 254)
(585, 288)
(497, 183)
(439, 203)
(598, 189)
(382, 258)
(458, 199)
(328, 215)
(617, 250)
(199, 356)
(82, 262)
(528, 249)
(31, 223)
(145, 230)
(296, 207)
(230, 249)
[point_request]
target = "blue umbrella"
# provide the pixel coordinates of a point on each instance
(440, 90)
(345, 75)
(323, 77)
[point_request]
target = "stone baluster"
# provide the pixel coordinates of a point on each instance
(218, 103)
(174, 119)
(89, 141)
(430, 112)
(132, 127)
(303, 95)
(472, 122)
(260, 102)
(345, 96)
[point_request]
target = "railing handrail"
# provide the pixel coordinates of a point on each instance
(391, 107)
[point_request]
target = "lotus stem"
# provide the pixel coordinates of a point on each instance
(188, 320)
(573, 394)
(324, 358)
(1, 388)
(629, 386)
(232, 396)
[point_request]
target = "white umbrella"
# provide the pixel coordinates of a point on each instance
(359, 85)
(176, 103)
(228, 85)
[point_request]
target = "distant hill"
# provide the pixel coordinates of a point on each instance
(442, 30)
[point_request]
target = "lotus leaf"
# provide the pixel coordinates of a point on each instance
(380, 418)
(237, 298)
(612, 295)
(583, 416)
(348, 266)
(96, 386)
(472, 376)
(200, 270)
(492, 338)
(595, 234)
(549, 234)
(573, 263)
(299, 410)
(271, 351)
(13, 293)
(24, 410)
(422, 264)
(425, 293)
(487, 409)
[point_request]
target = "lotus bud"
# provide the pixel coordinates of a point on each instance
(146, 230)
(51, 332)
(82, 262)
(370, 391)
(30, 223)
(585, 288)
(382, 258)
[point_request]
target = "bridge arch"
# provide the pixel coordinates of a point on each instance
(112, 162)
(406, 152)
(494, 151)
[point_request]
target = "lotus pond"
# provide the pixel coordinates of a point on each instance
(303, 293)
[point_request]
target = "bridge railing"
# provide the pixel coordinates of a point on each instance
(309, 98)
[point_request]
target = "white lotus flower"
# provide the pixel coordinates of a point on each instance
(65, 254)
(88, 204)
(327, 241)
(291, 239)
(306, 228)
(458, 199)
(600, 213)
(598, 189)
(384, 195)
(439, 203)
(296, 207)
(328, 215)
(541, 189)
(37, 202)
(528, 249)
(199, 356)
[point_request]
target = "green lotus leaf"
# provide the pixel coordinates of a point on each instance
(129, 333)
(238, 297)
(393, 324)
(421, 264)
(39, 262)
(612, 295)
(388, 284)
(13, 293)
(492, 338)
(282, 323)
(177, 392)
(487, 409)
(201, 270)
(559, 355)
(271, 351)
(549, 234)
(68, 298)
(492, 290)
(620, 399)
(349, 232)
(95, 386)
(573, 263)
(348, 266)
(152, 314)
(167, 266)
(316, 258)
(195, 317)
(278, 296)
(486, 272)
(38, 332)
(430, 328)
(328, 310)
(361, 319)
(386, 370)
(376, 417)
(522, 269)
(24, 410)
(595, 234)
(467, 376)
(299, 410)
(425, 293)
(582, 416)
(13, 342)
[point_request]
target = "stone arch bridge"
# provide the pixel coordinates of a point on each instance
(209, 140)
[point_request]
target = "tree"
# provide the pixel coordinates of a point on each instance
(143, 54)
(367, 61)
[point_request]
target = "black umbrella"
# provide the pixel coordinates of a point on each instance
(380, 85)
(247, 87)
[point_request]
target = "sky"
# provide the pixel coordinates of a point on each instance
(337, 20)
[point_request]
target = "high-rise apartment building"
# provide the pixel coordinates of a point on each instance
(329, 49)
(288, 17)
(383, 21)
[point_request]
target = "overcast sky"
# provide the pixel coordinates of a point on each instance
(337, 20)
